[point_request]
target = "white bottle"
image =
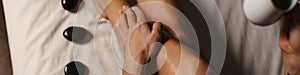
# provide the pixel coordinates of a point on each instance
(265, 12)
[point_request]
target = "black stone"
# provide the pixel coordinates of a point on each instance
(75, 68)
(75, 34)
(282, 4)
(69, 5)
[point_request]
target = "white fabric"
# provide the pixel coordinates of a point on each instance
(35, 29)
(251, 50)
(37, 46)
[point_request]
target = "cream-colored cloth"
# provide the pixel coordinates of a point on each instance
(35, 32)
(252, 49)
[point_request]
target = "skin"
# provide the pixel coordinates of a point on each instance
(111, 11)
(140, 56)
(139, 51)
(174, 52)
(140, 39)
(290, 41)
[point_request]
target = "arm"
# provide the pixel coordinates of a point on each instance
(112, 10)
(172, 46)
(174, 54)
(173, 61)
(139, 45)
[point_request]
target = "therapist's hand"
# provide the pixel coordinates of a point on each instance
(290, 32)
(138, 36)
(289, 41)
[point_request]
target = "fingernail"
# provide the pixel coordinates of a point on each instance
(124, 7)
(134, 8)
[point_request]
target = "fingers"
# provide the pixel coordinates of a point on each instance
(155, 37)
(155, 33)
(285, 45)
(124, 8)
(141, 21)
(133, 15)
(284, 33)
(156, 27)
(122, 24)
(294, 38)
(130, 16)
(127, 16)
(139, 14)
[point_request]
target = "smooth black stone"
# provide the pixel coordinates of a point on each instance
(75, 68)
(69, 5)
(75, 34)
(282, 4)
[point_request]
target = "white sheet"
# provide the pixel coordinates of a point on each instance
(35, 30)
(252, 50)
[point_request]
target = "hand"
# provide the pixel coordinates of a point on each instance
(136, 34)
(289, 41)
(290, 32)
